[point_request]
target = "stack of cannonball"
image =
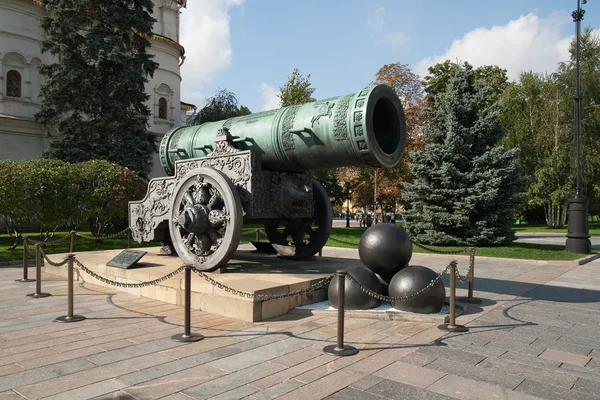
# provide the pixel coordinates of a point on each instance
(386, 250)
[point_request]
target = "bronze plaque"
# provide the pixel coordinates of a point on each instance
(126, 259)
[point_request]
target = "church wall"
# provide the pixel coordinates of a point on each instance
(20, 37)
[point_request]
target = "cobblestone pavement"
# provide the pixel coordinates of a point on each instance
(535, 335)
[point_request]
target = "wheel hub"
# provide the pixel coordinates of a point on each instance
(194, 219)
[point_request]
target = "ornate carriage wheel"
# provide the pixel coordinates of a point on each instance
(306, 235)
(206, 219)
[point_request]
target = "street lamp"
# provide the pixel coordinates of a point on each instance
(578, 237)
(347, 184)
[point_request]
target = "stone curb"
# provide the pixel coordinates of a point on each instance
(385, 315)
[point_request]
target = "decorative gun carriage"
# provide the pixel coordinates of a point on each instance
(256, 169)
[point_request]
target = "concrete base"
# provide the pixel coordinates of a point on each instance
(247, 271)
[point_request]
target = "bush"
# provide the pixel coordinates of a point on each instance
(52, 193)
(108, 188)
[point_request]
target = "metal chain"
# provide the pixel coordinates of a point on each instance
(460, 278)
(465, 250)
(48, 241)
(123, 232)
(401, 298)
(317, 285)
(126, 285)
(54, 264)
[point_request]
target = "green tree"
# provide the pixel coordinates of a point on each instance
(466, 187)
(535, 114)
(223, 105)
(95, 93)
(441, 74)
(590, 111)
(297, 90)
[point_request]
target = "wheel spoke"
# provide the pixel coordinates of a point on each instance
(188, 198)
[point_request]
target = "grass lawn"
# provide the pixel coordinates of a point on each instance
(340, 237)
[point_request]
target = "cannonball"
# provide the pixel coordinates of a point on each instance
(355, 298)
(411, 279)
(385, 249)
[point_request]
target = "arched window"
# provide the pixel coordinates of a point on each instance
(13, 83)
(162, 108)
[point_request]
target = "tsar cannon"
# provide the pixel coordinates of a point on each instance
(257, 169)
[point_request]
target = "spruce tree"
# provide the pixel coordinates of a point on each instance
(94, 93)
(466, 187)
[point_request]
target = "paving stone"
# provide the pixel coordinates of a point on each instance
(450, 354)
(148, 360)
(527, 371)
(24, 378)
(90, 391)
(237, 393)
(169, 368)
(170, 384)
(325, 386)
(587, 385)
(10, 369)
(73, 381)
(353, 394)
(70, 366)
(297, 357)
(469, 389)
(219, 385)
(565, 357)
(419, 359)
(133, 351)
(259, 355)
(528, 359)
(291, 372)
(581, 349)
(410, 374)
(367, 382)
(120, 395)
(280, 389)
(548, 391)
(10, 395)
(582, 372)
(395, 390)
(488, 373)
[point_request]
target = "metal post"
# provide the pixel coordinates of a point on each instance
(129, 238)
(375, 200)
(38, 275)
(578, 235)
(70, 317)
(452, 327)
(470, 299)
(258, 235)
(339, 349)
(25, 263)
(72, 242)
(187, 335)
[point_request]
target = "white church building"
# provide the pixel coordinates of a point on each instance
(21, 138)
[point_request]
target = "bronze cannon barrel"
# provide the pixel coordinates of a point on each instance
(364, 128)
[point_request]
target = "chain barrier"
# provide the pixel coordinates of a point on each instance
(54, 264)
(317, 285)
(114, 235)
(126, 285)
(461, 278)
(42, 242)
(401, 298)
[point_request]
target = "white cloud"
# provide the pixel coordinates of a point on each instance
(205, 35)
(380, 34)
(523, 44)
(269, 95)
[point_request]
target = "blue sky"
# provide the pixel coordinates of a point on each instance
(251, 47)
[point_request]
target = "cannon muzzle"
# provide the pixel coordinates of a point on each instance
(364, 128)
